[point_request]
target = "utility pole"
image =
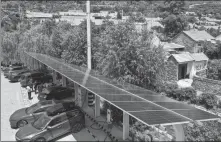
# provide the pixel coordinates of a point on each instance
(88, 35)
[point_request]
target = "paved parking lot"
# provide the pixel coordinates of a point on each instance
(10, 101)
(13, 97)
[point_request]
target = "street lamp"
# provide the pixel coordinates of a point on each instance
(88, 35)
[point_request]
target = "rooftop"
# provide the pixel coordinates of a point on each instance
(183, 57)
(199, 56)
(168, 46)
(198, 35)
(218, 37)
(38, 15)
(187, 57)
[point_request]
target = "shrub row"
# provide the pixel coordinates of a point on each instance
(207, 100)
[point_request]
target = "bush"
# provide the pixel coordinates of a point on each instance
(208, 100)
(168, 87)
(185, 94)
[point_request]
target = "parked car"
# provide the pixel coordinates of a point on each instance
(49, 127)
(30, 114)
(29, 78)
(15, 75)
(7, 71)
(56, 93)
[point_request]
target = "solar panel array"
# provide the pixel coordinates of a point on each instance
(144, 105)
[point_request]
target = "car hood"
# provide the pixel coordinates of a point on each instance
(26, 131)
(21, 113)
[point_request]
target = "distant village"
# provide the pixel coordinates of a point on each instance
(185, 49)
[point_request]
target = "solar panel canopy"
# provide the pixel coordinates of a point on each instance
(147, 106)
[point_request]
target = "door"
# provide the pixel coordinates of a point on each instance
(59, 126)
(182, 71)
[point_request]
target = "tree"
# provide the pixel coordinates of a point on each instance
(174, 24)
(174, 21)
(191, 19)
(56, 47)
(126, 55)
(47, 27)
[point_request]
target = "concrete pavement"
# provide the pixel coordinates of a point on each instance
(13, 97)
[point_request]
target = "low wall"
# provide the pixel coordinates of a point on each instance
(201, 73)
(171, 72)
(207, 85)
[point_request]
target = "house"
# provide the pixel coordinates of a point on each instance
(73, 13)
(148, 26)
(40, 16)
(218, 39)
(172, 48)
(189, 65)
(193, 40)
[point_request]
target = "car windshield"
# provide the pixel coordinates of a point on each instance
(41, 122)
(33, 108)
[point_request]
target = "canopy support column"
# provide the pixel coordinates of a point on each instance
(97, 106)
(76, 93)
(64, 81)
(54, 76)
(125, 126)
(179, 133)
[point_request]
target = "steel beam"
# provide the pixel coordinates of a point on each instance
(125, 126)
(97, 106)
(64, 81)
(54, 75)
(179, 133)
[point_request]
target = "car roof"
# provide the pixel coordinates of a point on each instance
(60, 108)
(32, 72)
(51, 88)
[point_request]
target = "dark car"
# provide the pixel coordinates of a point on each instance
(49, 127)
(28, 115)
(15, 75)
(11, 69)
(56, 93)
(29, 78)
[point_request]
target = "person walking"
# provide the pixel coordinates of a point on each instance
(36, 85)
(40, 88)
(29, 92)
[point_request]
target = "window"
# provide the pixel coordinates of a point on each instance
(199, 44)
(55, 121)
(40, 110)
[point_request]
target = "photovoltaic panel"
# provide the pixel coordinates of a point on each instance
(119, 93)
(120, 98)
(137, 106)
(196, 114)
(159, 117)
(174, 105)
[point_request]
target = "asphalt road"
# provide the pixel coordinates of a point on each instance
(10, 102)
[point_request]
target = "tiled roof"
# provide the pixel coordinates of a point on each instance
(168, 46)
(199, 56)
(183, 57)
(198, 35)
(187, 57)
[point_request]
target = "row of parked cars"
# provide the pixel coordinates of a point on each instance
(52, 117)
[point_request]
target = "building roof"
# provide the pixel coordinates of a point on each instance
(199, 56)
(183, 57)
(197, 35)
(171, 46)
(218, 37)
(38, 15)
